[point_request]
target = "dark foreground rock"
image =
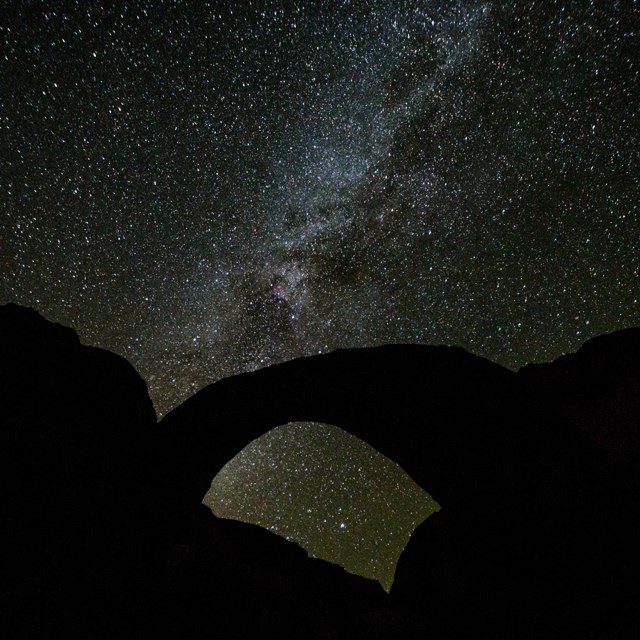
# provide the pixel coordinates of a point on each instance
(536, 474)
(597, 390)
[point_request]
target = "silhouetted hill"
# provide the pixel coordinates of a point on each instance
(76, 433)
(106, 537)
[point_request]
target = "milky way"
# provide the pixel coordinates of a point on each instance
(209, 188)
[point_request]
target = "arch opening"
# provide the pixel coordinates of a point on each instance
(325, 489)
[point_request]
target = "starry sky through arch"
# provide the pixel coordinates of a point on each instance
(328, 491)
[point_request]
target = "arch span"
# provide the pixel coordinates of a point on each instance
(444, 415)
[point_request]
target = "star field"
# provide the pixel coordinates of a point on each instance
(209, 188)
(295, 481)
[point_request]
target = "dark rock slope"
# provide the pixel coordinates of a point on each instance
(597, 390)
(106, 537)
(76, 432)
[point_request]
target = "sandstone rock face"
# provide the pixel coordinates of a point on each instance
(106, 537)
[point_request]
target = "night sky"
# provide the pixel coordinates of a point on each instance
(357, 510)
(210, 188)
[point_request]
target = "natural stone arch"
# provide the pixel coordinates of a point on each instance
(441, 413)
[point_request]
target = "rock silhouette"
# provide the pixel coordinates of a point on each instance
(536, 473)
(597, 389)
